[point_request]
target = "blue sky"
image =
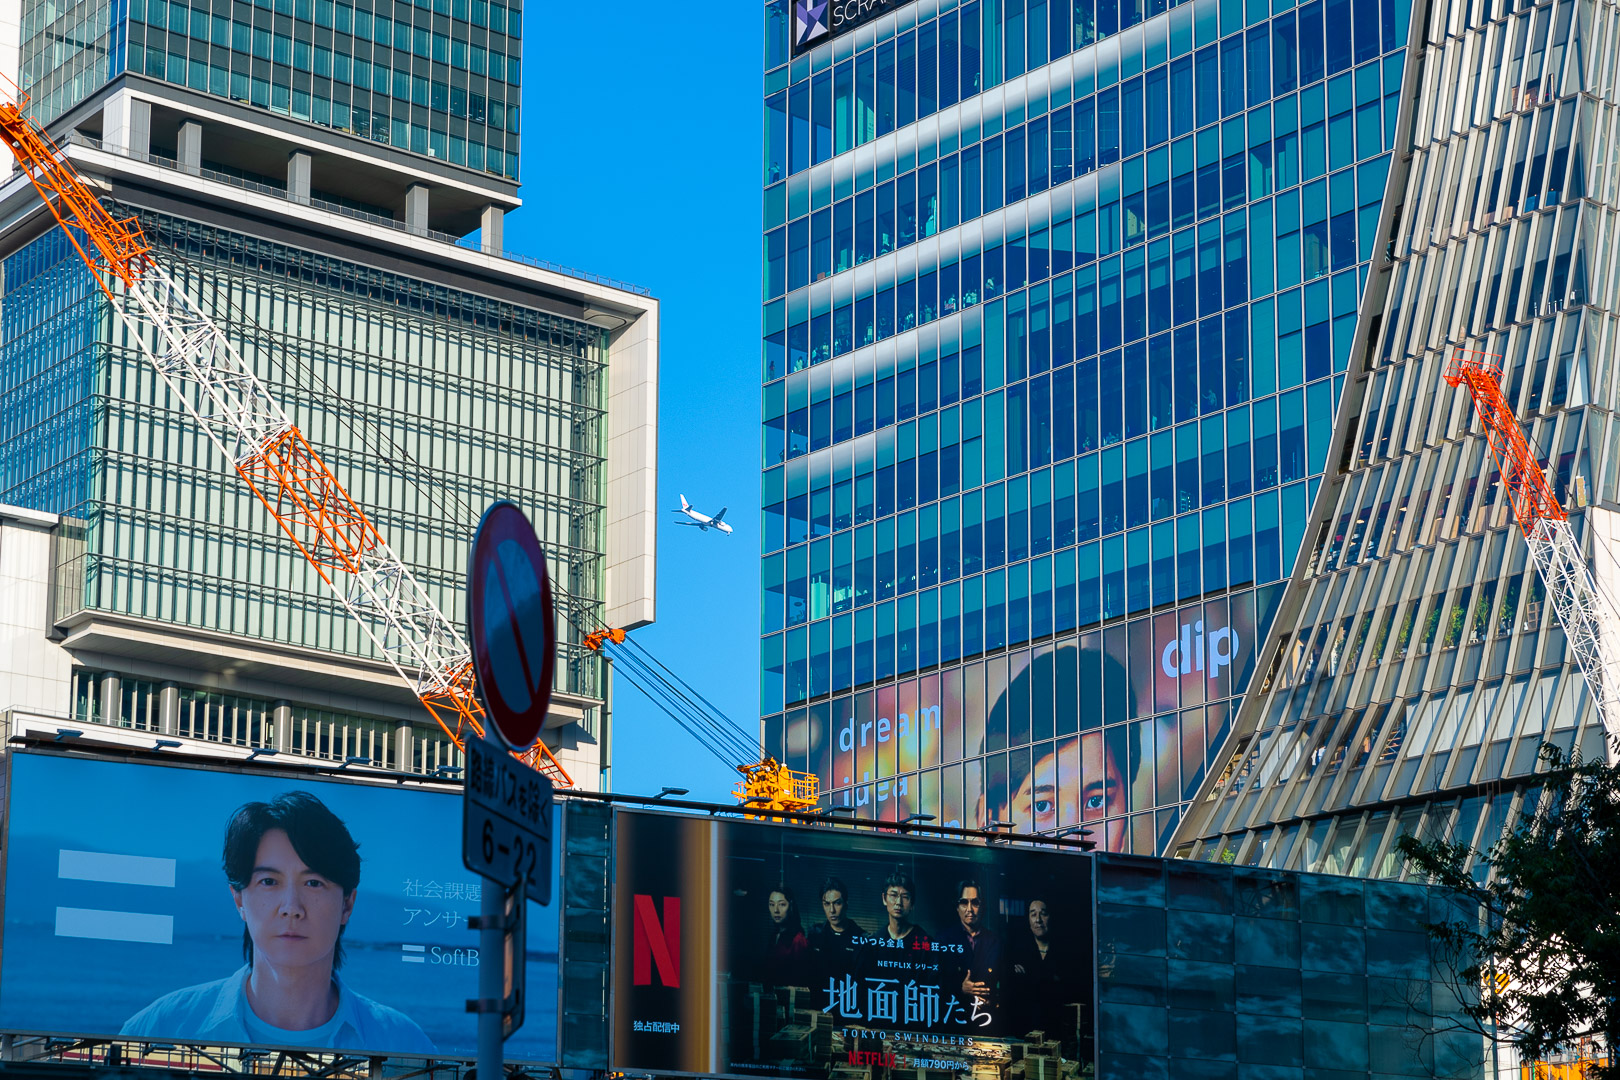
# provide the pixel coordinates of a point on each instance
(641, 151)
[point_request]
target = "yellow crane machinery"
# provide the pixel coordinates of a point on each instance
(203, 370)
(770, 785)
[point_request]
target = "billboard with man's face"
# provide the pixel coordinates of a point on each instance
(749, 949)
(191, 905)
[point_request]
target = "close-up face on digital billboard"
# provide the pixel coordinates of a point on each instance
(1111, 729)
(238, 908)
(770, 950)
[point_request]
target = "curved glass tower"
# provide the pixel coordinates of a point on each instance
(1415, 667)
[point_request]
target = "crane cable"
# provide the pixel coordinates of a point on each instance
(720, 736)
(693, 712)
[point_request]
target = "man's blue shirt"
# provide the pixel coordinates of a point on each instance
(218, 1011)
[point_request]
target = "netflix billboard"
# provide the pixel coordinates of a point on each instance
(755, 949)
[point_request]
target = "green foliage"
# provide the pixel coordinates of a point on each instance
(1536, 951)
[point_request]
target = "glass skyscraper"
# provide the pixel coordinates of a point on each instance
(329, 181)
(1059, 302)
(1111, 479)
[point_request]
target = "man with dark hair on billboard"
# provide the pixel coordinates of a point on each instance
(1042, 992)
(833, 950)
(899, 894)
(1062, 788)
(293, 870)
(974, 953)
(901, 947)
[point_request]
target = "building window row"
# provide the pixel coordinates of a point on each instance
(277, 88)
(999, 525)
(450, 97)
(1355, 843)
(1072, 141)
(464, 76)
(1400, 749)
(884, 79)
(1152, 567)
(1023, 379)
(1106, 241)
(1143, 406)
(246, 721)
(267, 36)
(69, 52)
(1276, 146)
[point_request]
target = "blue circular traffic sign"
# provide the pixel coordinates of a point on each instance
(510, 625)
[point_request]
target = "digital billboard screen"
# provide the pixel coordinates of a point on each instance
(198, 905)
(751, 949)
(1088, 730)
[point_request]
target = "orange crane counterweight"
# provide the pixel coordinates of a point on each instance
(203, 369)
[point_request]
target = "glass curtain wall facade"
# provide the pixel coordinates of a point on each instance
(69, 51)
(1058, 298)
(427, 402)
(1418, 666)
(437, 77)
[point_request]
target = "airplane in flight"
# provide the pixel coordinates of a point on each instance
(703, 521)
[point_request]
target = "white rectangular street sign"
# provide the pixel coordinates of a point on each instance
(506, 821)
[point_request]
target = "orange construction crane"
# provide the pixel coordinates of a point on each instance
(1587, 617)
(192, 355)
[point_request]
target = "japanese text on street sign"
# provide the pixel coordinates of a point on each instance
(507, 820)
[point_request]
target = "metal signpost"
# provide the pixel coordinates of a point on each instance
(506, 807)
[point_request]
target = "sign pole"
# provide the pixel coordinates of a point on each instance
(491, 974)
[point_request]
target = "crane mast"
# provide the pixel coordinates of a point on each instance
(1585, 615)
(205, 372)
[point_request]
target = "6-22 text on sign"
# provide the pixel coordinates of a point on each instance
(506, 822)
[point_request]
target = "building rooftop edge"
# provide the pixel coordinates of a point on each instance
(85, 116)
(584, 287)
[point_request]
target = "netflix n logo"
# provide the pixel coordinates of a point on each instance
(657, 942)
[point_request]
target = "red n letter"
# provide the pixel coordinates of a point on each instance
(657, 943)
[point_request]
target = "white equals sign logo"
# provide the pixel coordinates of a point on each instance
(114, 868)
(413, 954)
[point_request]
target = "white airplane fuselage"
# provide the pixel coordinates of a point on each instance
(701, 520)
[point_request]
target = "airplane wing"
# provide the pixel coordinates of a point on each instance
(694, 524)
(716, 519)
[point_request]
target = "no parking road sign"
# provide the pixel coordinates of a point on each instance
(510, 625)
